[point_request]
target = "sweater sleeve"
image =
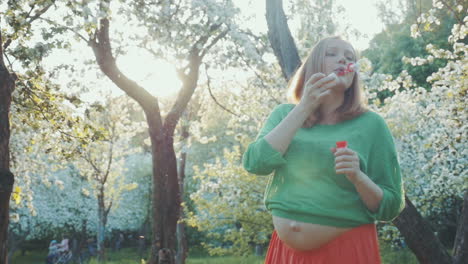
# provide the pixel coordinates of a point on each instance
(384, 170)
(260, 157)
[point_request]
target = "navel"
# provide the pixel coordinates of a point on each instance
(295, 226)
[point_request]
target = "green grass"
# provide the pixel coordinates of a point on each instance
(396, 256)
(226, 260)
(30, 257)
(130, 256)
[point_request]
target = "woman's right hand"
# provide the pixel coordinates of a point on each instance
(316, 89)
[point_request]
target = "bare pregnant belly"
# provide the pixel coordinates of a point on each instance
(305, 236)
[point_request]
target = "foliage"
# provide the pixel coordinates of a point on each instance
(102, 161)
(58, 196)
(315, 19)
(238, 220)
(40, 143)
(430, 126)
(65, 206)
(41, 114)
(184, 26)
(387, 48)
(222, 184)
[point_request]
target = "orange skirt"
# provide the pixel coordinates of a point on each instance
(356, 246)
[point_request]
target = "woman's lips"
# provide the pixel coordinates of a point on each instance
(341, 71)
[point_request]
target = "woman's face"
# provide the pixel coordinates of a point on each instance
(338, 55)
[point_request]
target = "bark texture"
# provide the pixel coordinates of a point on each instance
(281, 39)
(7, 85)
(420, 237)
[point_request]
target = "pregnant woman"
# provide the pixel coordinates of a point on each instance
(325, 200)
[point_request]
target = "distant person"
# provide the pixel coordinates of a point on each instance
(92, 247)
(119, 241)
(53, 251)
(141, 245)
(63, 246)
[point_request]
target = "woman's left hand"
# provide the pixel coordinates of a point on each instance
(347, 163)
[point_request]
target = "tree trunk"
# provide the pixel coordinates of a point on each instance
(281, 39)
(168, 206)
(14, 242)
(182, 247)
(181, 237)
(7, 85)
(460, 248)
(82, 241)
(101, 228)
(166, 193)
(416, 231)
(420, 237)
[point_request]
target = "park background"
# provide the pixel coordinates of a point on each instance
(202, 76)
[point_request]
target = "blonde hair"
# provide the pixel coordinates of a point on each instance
(354, 102)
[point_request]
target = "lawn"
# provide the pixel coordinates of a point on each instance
(130, 256)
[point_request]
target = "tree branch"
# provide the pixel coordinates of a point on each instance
(107, 210)
(190, 79)
(460, 21)
(212, 96)
(175, 11)
(281, 39)
(216, 39)
(100, 44)
(2, 62)
(109, 162)
(258, 76)
(203, 40)
(67, 28)
(87, 157)
(40, 12)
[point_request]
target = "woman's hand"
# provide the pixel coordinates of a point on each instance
(316, 89)
(347, 163)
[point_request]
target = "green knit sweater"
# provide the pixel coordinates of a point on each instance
(305, 187)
